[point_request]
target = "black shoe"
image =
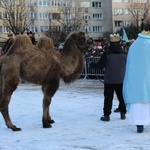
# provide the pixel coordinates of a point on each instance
(117, 110)
(122, 116)
(140, 128)
(105, 118)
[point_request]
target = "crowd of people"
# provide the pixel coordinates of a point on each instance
(94, 49)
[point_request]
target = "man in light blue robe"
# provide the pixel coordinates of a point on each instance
(136, 85)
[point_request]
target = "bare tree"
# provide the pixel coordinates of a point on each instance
(67, 18)
(14, 15)
(71, 18)
(139, 12)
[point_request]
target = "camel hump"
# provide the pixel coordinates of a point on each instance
(20, 43)
(45, 43)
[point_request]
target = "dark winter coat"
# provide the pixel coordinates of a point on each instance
(7, 45)
(114, 62)
(33, 40)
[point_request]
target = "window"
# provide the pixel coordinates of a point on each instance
(85, 4)
(67, 3)
(44, 3)
(0, 15)
(138, 11)
(86, 17)
(55, 3)
(0, 29)
(44, 28)
(87, 29)
(126, 11)
(97, 16)
(56, 16)
(96, 4)
(44, 15)
(118, 23)
(32, 28)
(56, 28)
(32, 15)
(118, 11)
(5, 15)
(97, 29)
(127, 23)
(6, 29)
(69, 16)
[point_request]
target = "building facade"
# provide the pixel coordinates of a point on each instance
(98, 17)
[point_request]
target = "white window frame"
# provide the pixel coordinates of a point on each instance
(97, 29)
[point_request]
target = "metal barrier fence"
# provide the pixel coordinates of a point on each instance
(88, 71)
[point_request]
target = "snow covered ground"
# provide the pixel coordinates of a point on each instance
(76, 109)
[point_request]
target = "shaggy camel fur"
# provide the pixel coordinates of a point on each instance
(40, 65)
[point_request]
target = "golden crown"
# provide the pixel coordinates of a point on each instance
(114, 37)
(145, 33)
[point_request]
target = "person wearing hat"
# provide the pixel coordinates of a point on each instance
(136, 85)
(30, 34)
(8, 43)
(113, 61)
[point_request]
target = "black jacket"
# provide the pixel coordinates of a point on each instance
(114, 62)
(7, 45)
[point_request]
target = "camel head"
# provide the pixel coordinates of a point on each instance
(78, 38)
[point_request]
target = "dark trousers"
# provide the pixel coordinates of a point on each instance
(109, 90)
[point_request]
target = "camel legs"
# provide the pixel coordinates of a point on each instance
(49, 90)
(6, 91)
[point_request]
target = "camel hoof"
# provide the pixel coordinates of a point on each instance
(16, 129)
(47, 126)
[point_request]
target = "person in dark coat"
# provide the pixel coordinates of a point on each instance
(8, 43)
(114, 62)
(30, 34)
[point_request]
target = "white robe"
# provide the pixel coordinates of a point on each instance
(139, 114)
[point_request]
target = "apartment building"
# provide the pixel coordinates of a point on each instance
(98, 17)
(126, 12)
(91, 15)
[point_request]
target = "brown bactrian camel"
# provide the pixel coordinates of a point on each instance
(40, 65)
